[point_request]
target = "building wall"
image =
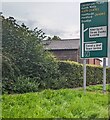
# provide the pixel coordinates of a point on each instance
(94, 61)
(66, 54)
(91, 61)
(97, 62)
(79, 59)
(73, 55)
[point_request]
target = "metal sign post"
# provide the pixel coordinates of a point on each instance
(104, 75)
(84, 75)
(84, 60)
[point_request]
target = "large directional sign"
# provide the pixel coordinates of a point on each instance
(94, 29)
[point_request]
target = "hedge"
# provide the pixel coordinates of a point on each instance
(69, 74)
(73, 73)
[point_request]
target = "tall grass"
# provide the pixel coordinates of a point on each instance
(63, 103)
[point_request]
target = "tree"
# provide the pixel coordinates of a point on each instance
(56, 38)
(23, 53)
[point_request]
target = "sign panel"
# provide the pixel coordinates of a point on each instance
(94, 29)
(93, 47)
(98, 32)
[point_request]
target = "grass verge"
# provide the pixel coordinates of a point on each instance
(63, 103)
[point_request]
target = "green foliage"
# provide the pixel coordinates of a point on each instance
(23, 55)
(73, 74)
(63, 103)
(98, 88)
(9, 69)
(20, 85)
(55, 38)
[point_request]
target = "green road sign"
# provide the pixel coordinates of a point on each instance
(94, 29)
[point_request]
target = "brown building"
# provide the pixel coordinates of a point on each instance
(67, 49)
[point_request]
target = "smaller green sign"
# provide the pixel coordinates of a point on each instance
(94, 29)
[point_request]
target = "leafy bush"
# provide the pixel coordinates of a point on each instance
(73, 73)
(20, 85)
(58, 83)
(26, 51)
(23, 55)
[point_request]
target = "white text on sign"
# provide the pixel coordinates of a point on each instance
(98, 32)
(93, 47)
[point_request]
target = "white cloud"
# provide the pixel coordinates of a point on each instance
(54, 17)
(47, 0)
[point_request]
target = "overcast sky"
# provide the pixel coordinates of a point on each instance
(54, 18)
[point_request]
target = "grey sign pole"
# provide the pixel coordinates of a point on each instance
(84, 75)
(84, 60)
(104, 75)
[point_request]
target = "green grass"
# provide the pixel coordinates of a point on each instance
(98, 88)
(63, 103)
